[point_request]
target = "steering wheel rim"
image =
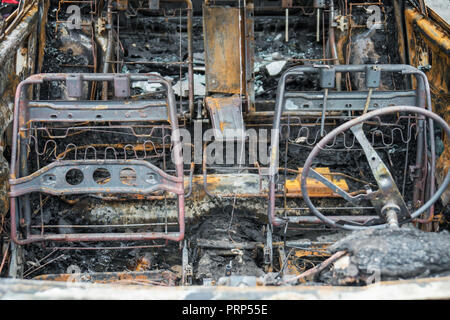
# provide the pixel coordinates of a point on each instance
(346, 126)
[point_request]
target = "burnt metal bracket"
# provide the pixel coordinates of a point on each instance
(373, 76)
(346, 100)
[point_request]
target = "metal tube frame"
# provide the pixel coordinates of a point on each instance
(176, 185)
(423, 99)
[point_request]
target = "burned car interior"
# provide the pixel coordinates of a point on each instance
(228, 143)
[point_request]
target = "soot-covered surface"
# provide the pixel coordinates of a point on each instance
(387, 254)
(227, 228)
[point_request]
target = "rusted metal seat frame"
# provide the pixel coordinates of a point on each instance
(423, 100)
(23, 185)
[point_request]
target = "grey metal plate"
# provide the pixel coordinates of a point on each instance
(76, 111)
(342, 101)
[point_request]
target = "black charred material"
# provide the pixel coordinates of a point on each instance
(388, 254)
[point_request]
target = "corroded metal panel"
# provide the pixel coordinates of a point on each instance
(226, 117)
(250, 54)
(223, 49)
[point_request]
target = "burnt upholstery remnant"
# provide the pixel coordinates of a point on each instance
(70, 173)
(387, 254)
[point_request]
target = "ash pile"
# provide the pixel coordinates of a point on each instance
(226, 244)
(386, 254)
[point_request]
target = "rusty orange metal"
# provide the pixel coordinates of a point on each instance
(316, 188)
(225, 114)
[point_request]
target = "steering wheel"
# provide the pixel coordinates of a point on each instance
(387, 200)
